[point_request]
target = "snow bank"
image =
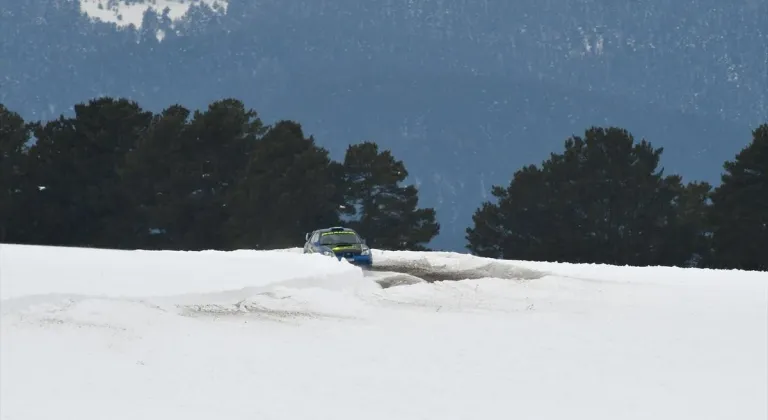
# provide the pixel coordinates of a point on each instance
(35, 270)
(438, 266)
(278, 334)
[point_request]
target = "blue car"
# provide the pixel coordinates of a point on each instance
(339, 242)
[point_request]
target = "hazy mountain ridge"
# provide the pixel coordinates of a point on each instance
(694, 56)
(682, 54)
(464, 91)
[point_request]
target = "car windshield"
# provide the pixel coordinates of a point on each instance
(339, 238)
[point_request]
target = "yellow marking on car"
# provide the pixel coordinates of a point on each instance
(343, 247)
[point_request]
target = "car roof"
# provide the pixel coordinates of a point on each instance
(335, 229)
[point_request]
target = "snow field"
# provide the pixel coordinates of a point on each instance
(93, 334)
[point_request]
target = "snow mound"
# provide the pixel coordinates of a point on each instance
(442, 266)
(142, 274)
(279, 334)
(325, 296)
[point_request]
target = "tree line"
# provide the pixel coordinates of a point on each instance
(604, 199)
(117, 176)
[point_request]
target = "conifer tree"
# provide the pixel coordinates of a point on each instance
(739, 212)
(602, 200)
(290, 186)
(15, 187)
(182, 172)
(76, 163)
(382, 210)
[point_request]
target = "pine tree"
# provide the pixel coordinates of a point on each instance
(158, 181)
(600, 201)
(384, 212)
(183, 170)
(76, 162)
(16, 191)
(739, 213)
(290, 187)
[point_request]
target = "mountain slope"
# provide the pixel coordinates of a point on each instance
(479, 87)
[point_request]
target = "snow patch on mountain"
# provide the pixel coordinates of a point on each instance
(125, 13)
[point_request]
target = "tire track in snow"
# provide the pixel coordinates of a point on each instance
(314, 301)
(393, 272)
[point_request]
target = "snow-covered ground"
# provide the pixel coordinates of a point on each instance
(97, 334)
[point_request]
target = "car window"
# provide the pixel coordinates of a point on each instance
(315, 237)
(334, 238)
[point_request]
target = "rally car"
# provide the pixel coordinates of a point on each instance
(340, 242)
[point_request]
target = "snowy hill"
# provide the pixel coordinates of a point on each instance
(94, 334)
